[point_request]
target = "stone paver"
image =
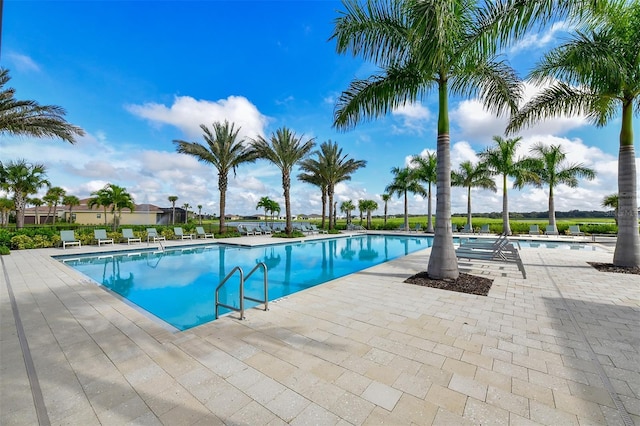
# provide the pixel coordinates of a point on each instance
(561, 347)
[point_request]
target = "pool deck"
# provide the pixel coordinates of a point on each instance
(561, 347)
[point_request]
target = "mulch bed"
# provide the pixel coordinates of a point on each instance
(610, 267)
(466, 283)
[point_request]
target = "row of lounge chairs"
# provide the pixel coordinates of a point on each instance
(499, 249)
(574, 230)
(68, 237)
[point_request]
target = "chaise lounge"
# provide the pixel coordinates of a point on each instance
(100, 235)
(131, 238)
(201, 234)
(181, 235)
(68, 238)
(152, 234)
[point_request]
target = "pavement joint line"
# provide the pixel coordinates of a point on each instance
(626, 418)
(36, 391)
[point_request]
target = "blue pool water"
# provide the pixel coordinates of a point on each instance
(178, 286)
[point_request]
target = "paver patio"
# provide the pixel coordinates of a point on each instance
(561, 347)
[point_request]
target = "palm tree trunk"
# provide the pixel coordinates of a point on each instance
(627, 252)
(406, 212)
(469, 225)
(324, 205)
(330, 194)
(506, 226)
(222, 184)
(286, 184)
(429, 211)
(105, 215)
(385, 213)
(20, 204)
(552, 209)
(443, 262)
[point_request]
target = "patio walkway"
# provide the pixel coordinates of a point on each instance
(559, 348)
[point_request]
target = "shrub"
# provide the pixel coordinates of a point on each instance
(41, 241)
(22, 242)
(4, 250)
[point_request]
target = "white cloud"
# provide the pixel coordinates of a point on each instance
(188, 113)
(22, 62)
(540, 40)
(414, 118)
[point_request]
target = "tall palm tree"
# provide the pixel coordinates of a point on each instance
(71, 201)
(172, 199)
(472, 176)
(186, 207)
(423, 46)
(101, 197)
(611, 201)
(29, 118)
(224, 151)
(313, 174)
(548, 163)
(597, 73)
(405, 180)
(22, 179)
(501, 160)
(385, 198)
(53, 197)
(119, 199)
(199, 214)
(36, 202)
(369, 206)
(334, 167)
(285, 150)
(427, 168)
(346, 207)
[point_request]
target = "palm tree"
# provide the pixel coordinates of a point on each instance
(611, 201)
(472, 176)
(369, 206)
(6, 206)
(186, 207)
(500, 160)
(22, 179)
(172, 199)
(346, 207)
(333, 167)
(549, 166)
(596, 74)
(53, 197)
(424, 46)
(284, 149)
(274, 207)
(313, 175)
(224, 151)
(36, 202)
(29, 118)
(264, 203)
(119, 199)
(427, 167)
(101, 197)
(361, 207)
(71, 201)
(406, 180)
(385, 198)
(199, 214)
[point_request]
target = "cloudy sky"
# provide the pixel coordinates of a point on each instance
(137, 75)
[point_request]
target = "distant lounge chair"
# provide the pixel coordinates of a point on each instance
(256, 230)
(485, 229)
(575, 230)
(416, 229)
(68, 238)
(551, 230)
(319, 230)
(152, 234)
(100, 235)
(534, 230)
(180, 234)
(243, 230)
(131, 238)
(265, 230)
(454, 227)
(201, 234)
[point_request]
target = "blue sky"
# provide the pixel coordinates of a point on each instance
(135, 75)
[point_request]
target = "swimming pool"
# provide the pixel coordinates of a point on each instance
(177, 286)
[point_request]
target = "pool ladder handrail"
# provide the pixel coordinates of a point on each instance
(241, 290)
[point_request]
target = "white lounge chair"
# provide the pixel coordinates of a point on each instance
(100, 235)
(551, 230)
(152, 234)
(181, 235)
(201, 234)
(68, 238)
(534, 230)
(575, 230)
(131, 238)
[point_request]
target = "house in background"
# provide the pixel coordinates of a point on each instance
(143, 214)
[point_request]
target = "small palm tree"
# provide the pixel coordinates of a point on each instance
(472, 176)
(53, 197)
(274, 208)
(22, 179)
(224, 151)
(548, 163)
(346, 207)
(285, 150)
(596, 73)
(313, 174)
(172, 199)
(36, 202)
(101, 198)
(405, 180)
(186, 207)
(369, 206)
(361, 208)
(265, 203)
(611, 201)
(119, 199)
(385, 198)
(199, 214)
(427, 168)
(29, 118)
(6, 206)
(71, 201)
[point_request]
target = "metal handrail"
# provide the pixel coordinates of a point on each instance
(266, 285)
(233, 308)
